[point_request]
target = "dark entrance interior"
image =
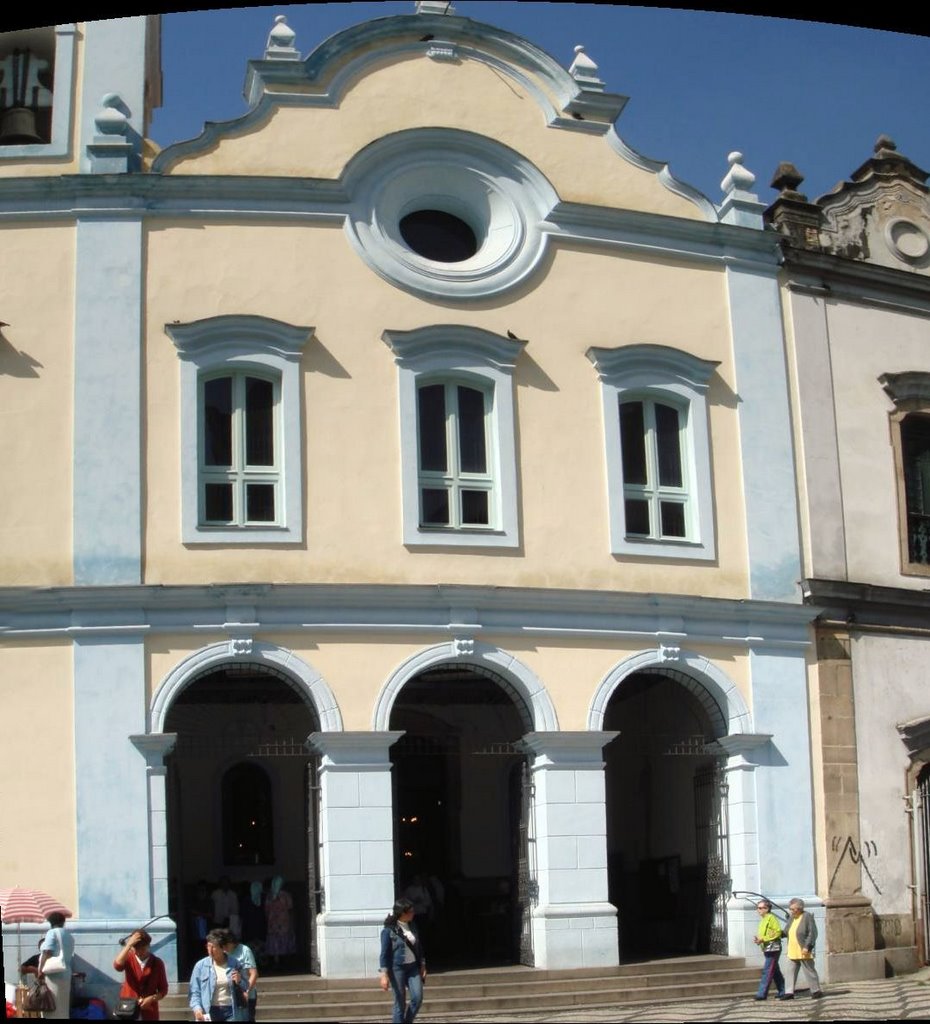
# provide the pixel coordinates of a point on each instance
(666, 825)
(241, 803)
(458, 788)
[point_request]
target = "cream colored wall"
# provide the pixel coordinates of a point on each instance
(70, 164)
(36, 389)
(310, 275)
(37, 785)
(357, 669)
(415, 92)
(865, 343)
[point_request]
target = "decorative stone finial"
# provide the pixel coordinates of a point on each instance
(884, 142)
(280, 45)
(584, 71)
(787, 177)
(434, 7)
(738, 178)
(740, 206)
(112, 119)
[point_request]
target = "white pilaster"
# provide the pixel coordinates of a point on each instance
(574, 925)
(357, 849)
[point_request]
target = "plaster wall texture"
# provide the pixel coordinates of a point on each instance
(413, 92)
(350, 392)
(356, 670)
(36, 399)
(865, 343)
(890, 677)
(38, 712)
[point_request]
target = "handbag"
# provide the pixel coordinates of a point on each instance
(127, 1008)
(39, 999)
(772, 947)
(54, 965)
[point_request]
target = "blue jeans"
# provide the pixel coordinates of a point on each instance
(771, 972)
(403, 980)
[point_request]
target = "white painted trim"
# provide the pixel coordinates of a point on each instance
(501, 196)
(448, 352)
(305, 680)
(720, 687)
(659, 372)
(237, 343)
(468, 653)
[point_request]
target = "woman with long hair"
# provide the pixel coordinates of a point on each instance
(402, 964)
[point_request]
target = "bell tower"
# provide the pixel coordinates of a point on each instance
(78, 98)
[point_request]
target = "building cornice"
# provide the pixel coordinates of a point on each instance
(446, 610)
(868, 606)
(849, 280)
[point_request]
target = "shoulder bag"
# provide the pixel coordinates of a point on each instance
(126, 1009)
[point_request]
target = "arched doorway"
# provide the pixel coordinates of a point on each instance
(461, 811)
(666, 816)
(241, 805)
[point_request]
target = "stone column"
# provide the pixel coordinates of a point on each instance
(155, 747)
(574, 925)
(742, 754)
(356, 836)
(850, 921)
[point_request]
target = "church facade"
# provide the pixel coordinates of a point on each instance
(402, 489)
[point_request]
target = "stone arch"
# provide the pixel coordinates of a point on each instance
(484, 659)
(716, 691)
(305, 680)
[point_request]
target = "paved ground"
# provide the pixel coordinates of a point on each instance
(905, 998)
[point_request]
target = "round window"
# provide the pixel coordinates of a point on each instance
(437, 235)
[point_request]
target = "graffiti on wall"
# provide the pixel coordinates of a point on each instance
(845, 846)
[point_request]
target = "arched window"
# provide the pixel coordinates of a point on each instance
(248, 820)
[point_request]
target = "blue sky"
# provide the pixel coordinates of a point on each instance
(700, 83)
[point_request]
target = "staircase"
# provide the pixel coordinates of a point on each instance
(463, 995)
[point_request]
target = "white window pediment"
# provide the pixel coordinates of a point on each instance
(458, 451)
(657, 448)
(241, 463)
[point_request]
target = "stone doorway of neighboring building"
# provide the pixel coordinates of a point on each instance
(459, 801)
(666, 817)
(242, 803)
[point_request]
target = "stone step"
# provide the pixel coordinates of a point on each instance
(456, 994)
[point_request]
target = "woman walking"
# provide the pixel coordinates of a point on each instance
(802, 934)
(768, 937)
(402, 964)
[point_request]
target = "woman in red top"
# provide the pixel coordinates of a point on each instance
(145, 974)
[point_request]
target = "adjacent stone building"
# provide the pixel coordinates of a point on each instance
(857, 313)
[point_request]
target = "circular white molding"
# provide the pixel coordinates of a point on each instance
(304, 679)
(501, 196)
(907, 240)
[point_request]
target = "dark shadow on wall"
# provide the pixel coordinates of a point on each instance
(14, 363)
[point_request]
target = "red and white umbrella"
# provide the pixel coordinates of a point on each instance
(19, 905)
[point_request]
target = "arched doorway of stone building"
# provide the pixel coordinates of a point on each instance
(666, 816)
(461, 807)
(242, 803)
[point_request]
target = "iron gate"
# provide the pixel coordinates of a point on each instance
(710, 809)
(527, 886)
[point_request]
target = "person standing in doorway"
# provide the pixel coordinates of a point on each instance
(768, 937)
(246, 957)
(402, 964)
(279, 907)
(802, 934)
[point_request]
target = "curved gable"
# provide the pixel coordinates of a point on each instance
(427, 71)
